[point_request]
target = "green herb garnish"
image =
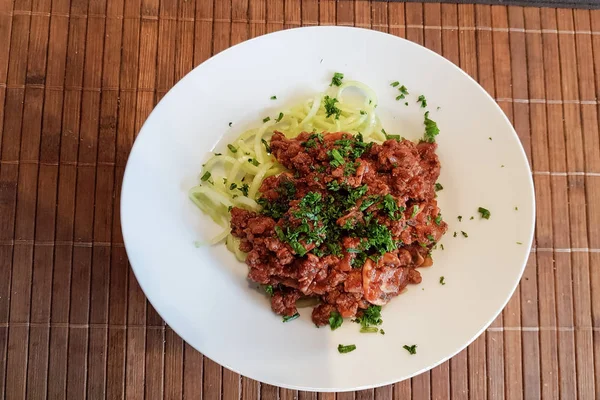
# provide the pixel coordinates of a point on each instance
(269, 290)
(289, 318)
(330, 107)
(279, 117)
(415, 211)
(390, 206)
(394, 84)
(484, 213)
(371, 317)
(464, 234)
(273, 97)
(346, 348)
(337, 79)
(205, 177)
(335, 320)
(431, 129)
(244, 189)
(369, 329)
(267, 147)
(442, 280)
(232, 148)
(336, 158)
(266, 119)
(421, 99)
(411, 349)
(438, 187)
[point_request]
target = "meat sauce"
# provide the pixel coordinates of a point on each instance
(350, 222)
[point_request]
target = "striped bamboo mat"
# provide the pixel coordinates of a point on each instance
(78, 79)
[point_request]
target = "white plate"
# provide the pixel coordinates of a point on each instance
(203, 294)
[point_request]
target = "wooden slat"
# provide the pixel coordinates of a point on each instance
(78, 79)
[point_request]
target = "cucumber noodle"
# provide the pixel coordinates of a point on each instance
(232, 179)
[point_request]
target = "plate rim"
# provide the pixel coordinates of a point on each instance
(450, 64)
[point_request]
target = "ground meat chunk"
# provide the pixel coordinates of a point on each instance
(284, 303)
(321, 314)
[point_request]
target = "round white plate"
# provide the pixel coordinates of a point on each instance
(203, 294)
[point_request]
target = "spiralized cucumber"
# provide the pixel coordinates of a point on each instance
(233, 179)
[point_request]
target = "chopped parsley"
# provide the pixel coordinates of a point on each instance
(411, 349)
(370, 318)
(267, 147)
(438, 187)
(394, 84)
(312, 140)
(403, 93)
(459, 218)
(438, 219)
(485, 214)
(431, 129)
(337, 79)
(442, 280)
(516, 208)
(232, 186)
(269, 290)
(454, 235)
(279, 117)
(363, 112)
(244, 189)
(406, 103)
(519, 242)
(273, 97)
(490, 138)
(389, 137)
(335, 320)
(205, 177)
(472, 217)
(382, 331)
(289, 318)
(232, 148)
(441, 246)
(330, 107)
(266, 119)
(415, 211)
(369, 329)
(230, 124)
(336, 158)
(421, 99)
(464, 234)
(392, 209)
(346, 348)
(253, 161)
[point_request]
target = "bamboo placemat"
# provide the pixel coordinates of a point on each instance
(77, 80)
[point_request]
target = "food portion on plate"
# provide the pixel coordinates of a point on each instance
(322, 203)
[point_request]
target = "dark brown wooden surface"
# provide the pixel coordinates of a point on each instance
(77, 80)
